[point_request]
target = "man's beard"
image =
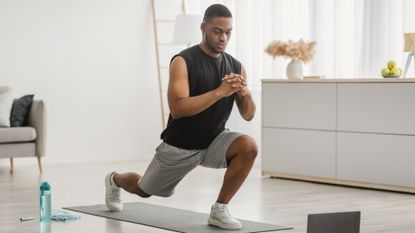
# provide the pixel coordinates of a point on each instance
(211, 46)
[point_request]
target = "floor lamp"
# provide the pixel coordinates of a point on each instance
(409, 47)
(187, 29)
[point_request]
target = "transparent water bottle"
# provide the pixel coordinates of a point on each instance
(45, 202)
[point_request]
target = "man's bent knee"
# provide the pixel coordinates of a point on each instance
(247, 147)
(142, 194)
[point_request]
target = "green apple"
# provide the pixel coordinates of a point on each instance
(386, 71)
(391, 64)
(396, 71)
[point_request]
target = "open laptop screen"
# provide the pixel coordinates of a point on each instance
(342, 222)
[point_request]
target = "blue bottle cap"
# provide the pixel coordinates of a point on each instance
(45, 186)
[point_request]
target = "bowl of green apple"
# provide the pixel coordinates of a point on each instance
(391, 70)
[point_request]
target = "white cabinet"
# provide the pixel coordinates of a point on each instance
(299, 105)
(376, 158)
(353, 132)
(306, 152)
(376, 107)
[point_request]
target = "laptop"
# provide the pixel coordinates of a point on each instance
(341, 222)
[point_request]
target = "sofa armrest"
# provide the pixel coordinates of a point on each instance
(37, 119)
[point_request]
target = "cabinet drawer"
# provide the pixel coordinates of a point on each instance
(299, 105)
(376, 158)
(302, 152)
(376, 107)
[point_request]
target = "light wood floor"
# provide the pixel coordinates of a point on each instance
(281, 202)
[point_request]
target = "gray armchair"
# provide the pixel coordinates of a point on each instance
(27, 141)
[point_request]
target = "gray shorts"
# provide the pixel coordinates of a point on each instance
(170, 164)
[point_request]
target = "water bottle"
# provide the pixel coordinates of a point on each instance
(45, 202)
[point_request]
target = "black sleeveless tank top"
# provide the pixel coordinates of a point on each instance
(205, 74)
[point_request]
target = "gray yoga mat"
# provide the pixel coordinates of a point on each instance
(170, 218)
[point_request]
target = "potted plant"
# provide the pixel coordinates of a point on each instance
(299, 51)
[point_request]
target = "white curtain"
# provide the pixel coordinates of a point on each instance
(382, 35)
(355, 38)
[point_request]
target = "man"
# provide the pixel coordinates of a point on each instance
(204, 83)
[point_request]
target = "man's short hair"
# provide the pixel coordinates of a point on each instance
(216, 10)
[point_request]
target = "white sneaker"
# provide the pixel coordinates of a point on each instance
(112, 194)
(220, 217)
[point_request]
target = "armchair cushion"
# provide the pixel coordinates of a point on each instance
(20, 111)
(6, 103)
(20, 134)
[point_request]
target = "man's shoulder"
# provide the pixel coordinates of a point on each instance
(189, 54)
(191, 50)
(185, 54)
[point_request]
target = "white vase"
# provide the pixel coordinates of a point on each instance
(295, 69)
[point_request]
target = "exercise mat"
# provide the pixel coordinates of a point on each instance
(172, 219)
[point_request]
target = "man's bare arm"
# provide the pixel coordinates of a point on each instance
(244, 101)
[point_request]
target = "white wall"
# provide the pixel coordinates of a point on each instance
(93, 62)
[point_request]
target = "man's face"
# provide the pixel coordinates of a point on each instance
(216, 33)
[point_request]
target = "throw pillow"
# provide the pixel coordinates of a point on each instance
(20, 110)
(6, 103)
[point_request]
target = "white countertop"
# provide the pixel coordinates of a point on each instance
(354, 80)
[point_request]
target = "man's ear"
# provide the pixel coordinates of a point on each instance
(203, 26)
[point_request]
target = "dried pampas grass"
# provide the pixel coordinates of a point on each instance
(301, 50)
